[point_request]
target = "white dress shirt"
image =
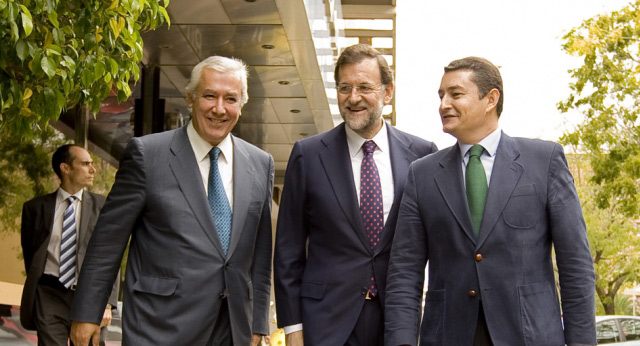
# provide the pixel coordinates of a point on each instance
(488, 157)
(52, 265)
(382, 157)
(201, 149)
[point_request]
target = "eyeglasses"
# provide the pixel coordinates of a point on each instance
(362, 89)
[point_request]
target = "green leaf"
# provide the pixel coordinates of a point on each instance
(98, 70)
(53, 18)
(165, 15)
(113, 66)
(15, 32)
(27, 22)
(48, 66)
(54, 49)
(22, 50)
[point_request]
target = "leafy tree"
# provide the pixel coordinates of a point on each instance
(615, 246)
(25, 172)
(606, 89)
(58, 54)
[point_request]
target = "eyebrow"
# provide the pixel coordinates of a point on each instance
(227, 92)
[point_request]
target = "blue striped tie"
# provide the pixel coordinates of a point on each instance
(68, 246)
(218, 201)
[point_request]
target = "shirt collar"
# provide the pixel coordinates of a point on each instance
(64, 195)
(355, 142)
(201, 148)
(489, 143)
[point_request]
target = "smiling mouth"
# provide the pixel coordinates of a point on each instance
(356, 110)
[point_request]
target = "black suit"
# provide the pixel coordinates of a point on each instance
(324, 288)
(37, 223)
(531, 206)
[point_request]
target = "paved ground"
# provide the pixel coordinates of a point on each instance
(12, 333)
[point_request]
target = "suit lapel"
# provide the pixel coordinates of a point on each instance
(187, 173)
(243, 173)
(504, 177)
(87, 207)
(401, 157)
(451, 187)
(337, 165)
(49, 209)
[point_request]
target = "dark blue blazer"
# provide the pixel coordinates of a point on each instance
(324, 287)
(531, 206)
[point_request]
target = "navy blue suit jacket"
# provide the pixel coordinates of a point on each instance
(531, 206)
(324, 287)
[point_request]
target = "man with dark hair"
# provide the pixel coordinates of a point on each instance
(485, 214)
(55, 231)
(196, 203)
(338, 213)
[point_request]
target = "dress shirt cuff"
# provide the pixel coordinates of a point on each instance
(294, 328)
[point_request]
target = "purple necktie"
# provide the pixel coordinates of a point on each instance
(371, 208)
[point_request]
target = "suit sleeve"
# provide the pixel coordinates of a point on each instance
(575, 265)
(261, 271)
(291, 237)
(405, 278)
(110, 236)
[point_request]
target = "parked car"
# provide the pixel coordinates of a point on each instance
(618, 330)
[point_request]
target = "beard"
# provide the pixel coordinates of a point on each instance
(365, 122)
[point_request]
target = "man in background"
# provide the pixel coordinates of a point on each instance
(485, 213)
(196, 203)
(338, 213)
(55, 232)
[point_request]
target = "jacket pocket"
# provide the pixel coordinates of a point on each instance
(313, 290)
(540, 315)
(522, 210)
(250, 287)
(431, 332)
(156, 285)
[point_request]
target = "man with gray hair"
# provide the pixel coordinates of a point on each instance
(196, 203)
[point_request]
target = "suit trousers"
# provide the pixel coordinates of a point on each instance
(369, 329)
(482, 337)
(53, 304)
(221, 335)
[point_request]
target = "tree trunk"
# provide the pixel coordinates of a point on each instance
(610, 308)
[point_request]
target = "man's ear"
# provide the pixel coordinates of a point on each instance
(65, 168)
(492, 100)
(388, 93)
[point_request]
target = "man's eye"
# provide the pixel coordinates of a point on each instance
(365, 88)
(232, 100)
(344, 89)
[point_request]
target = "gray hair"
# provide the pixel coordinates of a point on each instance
(220, 64)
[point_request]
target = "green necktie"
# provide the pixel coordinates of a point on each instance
(476, 181)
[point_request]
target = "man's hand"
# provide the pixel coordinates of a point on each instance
(106, 317)
(83, 332)
(294, 339)
(255, 339)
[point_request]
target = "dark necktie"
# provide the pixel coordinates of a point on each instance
(371, 208)
(218, 202)
(68, 246)
(476, 181)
